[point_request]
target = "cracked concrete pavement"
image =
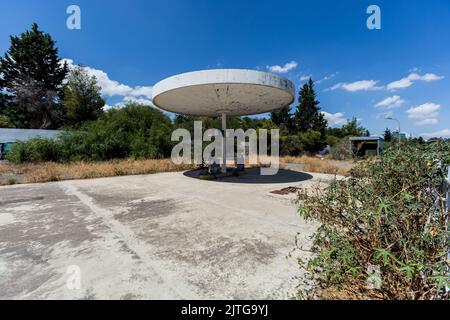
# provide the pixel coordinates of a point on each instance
(161, 236)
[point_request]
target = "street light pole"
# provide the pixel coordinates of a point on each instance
(399, 137)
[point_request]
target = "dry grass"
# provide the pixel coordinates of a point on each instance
(46, 172)
(320, 165)
(354, 290)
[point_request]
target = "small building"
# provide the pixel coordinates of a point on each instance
(10, 136)
(366, 146)
(397, 136)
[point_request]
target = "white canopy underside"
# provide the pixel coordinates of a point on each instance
(214, 92)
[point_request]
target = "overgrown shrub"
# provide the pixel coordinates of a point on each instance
(5, 122)
(35, 150)
(312, 141)
(301, 143)
(135, 131)
(341, 150)
(291, 146)
(387, 215)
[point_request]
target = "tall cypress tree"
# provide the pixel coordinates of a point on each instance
(282, 118)
(32, 73)
(308, 115)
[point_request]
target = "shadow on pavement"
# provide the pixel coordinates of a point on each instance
(253, 176)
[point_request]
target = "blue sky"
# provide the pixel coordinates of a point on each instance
(402, 69)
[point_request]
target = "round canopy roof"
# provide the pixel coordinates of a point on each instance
(230, 91)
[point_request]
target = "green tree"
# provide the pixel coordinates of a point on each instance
(308, 115)
(32, 73)
(335, 132)
(5, 122)
(82, 97)
(311, 141)
(387, 135)
(353, 128)
(5, 111)
(282, 118)
(291, 145)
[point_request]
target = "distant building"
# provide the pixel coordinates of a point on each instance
(366, 146)
(10, 136)
(395, 135)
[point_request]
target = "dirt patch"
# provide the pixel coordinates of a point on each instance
(351, 291)
(286, 191)
(145, 209)
(21, 200)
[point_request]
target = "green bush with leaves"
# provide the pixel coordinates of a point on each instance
(388, 213)
(291, 145)
(311, 141)
(35, 150)
(135, 131)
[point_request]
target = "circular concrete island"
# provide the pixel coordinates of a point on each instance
(233, 92)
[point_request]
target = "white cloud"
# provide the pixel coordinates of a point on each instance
(336, 119)
(411, 78)
(142, 91)
(430, 77)
(110, 88)
(424, 111)
(390, 102)
(305, 77)
(445, 133)
(425, 122)
(147, 102)
(329, 77)
(283, 69)
(384, 115)
(425, 114)
(361, 85)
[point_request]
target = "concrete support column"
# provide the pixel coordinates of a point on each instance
(224, 145)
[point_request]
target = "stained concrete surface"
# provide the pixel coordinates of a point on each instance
(161, 236)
